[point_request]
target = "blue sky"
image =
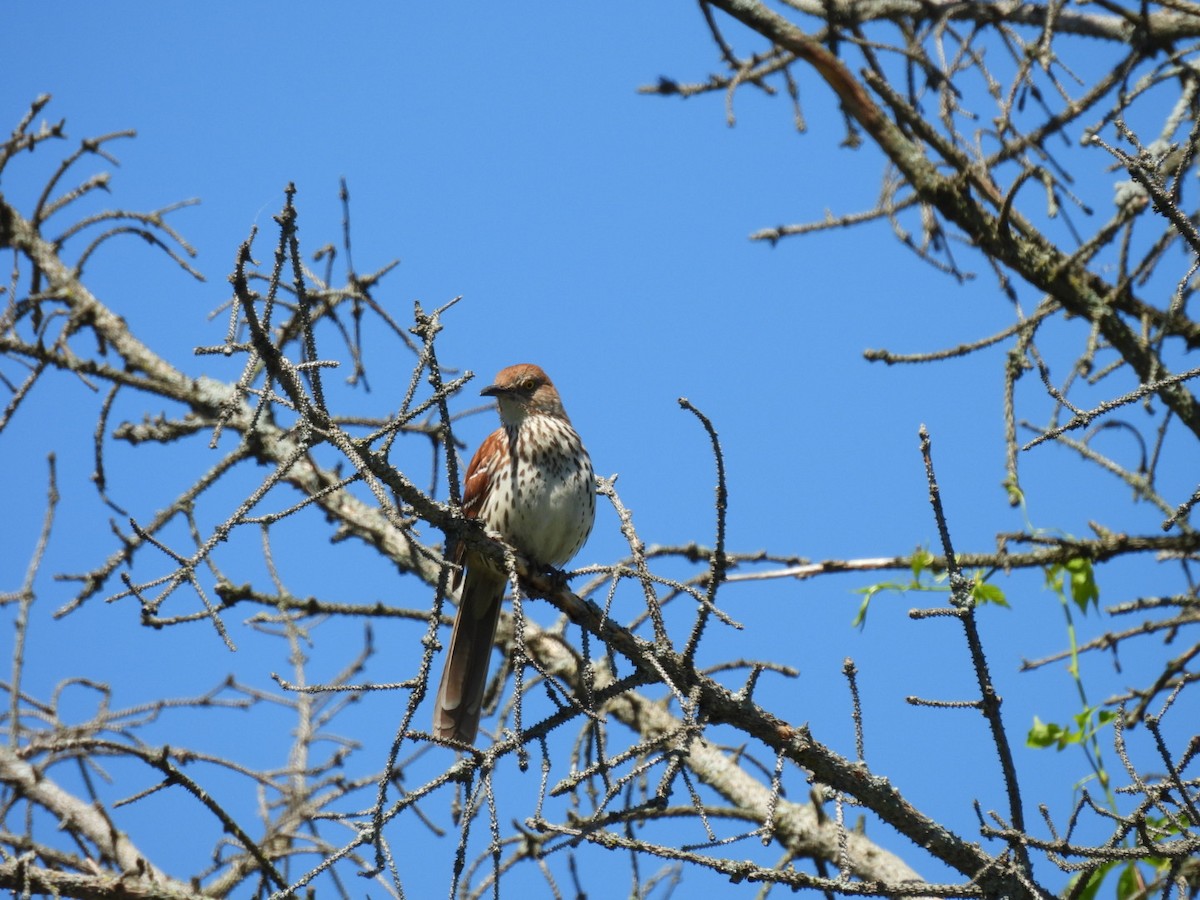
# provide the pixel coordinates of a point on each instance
(507, 157)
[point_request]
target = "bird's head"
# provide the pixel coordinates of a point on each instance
(524, 390)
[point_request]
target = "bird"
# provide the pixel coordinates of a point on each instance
(531, 482)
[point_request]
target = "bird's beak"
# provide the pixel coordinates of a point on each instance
(493, 390)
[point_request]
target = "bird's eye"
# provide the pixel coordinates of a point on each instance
(528, 384)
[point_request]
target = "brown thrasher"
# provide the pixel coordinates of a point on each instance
(530, 481)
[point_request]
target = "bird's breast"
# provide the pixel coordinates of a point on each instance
(544, 502)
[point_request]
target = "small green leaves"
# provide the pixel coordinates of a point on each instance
(1080, 581)
(925, 578)
(1047, 734)
(986, 592)
(922, 559)
(1086, 724)
(1083, 584)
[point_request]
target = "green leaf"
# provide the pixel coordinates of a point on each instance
(1131, 883)
(1048, 734)
(1094, 883)
(869, 592)
(922, 559)
(985, 592)
(1084, 590)
(1054, 578)
(1091, 719)
(860, 618)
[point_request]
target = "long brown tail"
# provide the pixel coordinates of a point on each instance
(460, 696)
